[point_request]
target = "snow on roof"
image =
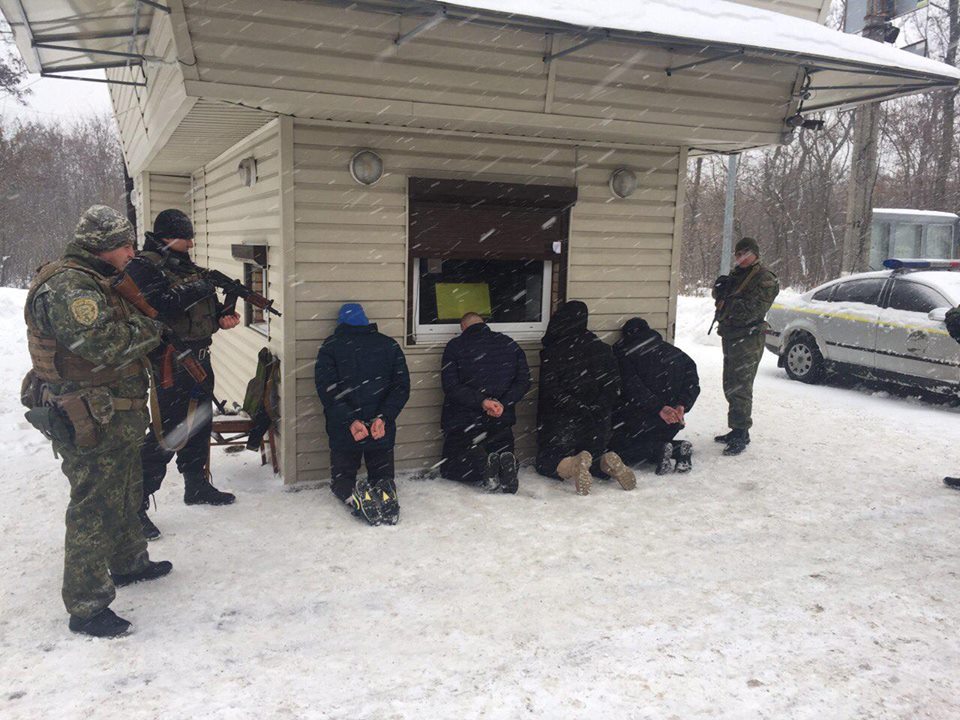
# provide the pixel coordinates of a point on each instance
(918, 213)
(720, 21)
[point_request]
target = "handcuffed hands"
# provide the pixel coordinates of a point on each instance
(358, 430)
(378, 428)
(493, 408)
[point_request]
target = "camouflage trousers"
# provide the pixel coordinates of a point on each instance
(103, 531)
(741, 358)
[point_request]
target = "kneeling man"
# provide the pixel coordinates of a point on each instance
(484, 376)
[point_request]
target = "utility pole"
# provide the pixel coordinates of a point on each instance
(726, 249)
(863, 162)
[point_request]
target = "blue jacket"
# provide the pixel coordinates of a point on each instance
(361, 375)
(479, 364)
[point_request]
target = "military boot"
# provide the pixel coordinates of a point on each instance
(739, 439)
(197, 490)
(612, 465)
(725, 438)
(953, 482)
(683, 453)
(509, 467)
(577, 468)
(152, 571)
(150, 531)
(664, 459)
(105, 624)
(491, 473)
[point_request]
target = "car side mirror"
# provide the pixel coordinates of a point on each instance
(938, 314)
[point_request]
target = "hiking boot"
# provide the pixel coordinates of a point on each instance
(202, 492)
(724, 438)
(684, 456)
(152, 571)
(612, 465)
(364, 503)
(491, 473)
(739, 439)
(952, 482)
(105, 624)
(150, 531)
(577, 468)
(664, 459)
(509, 468)
(385, 492)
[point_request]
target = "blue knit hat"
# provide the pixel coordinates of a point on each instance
(352, 314)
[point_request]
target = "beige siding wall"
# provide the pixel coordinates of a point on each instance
(146, 116)
(225, 214)
(351, 244)
(169, 191)
(314, 60)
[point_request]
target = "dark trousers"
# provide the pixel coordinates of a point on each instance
(344, 465)
(465, 453)
(191, 434)
(646, 446)
(589, 435)
(741, 358)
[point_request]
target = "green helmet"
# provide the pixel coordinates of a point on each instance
(102, 228)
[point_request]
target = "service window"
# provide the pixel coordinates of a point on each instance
(859, 291)
(938, 242)
(906, 240)
(914, 297)
(496, 249)
(255, 278)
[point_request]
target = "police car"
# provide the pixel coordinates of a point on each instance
(886, 325)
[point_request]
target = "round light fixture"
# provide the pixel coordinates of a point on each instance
(623, 182)
(366, 167)
(247, 172)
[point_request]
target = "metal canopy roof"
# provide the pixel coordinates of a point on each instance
(60, 37)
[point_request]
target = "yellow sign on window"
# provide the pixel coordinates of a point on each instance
(456, 299)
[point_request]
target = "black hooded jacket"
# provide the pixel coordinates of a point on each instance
(579, 382)
(654, 374)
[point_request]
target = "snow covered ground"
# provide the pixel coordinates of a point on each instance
(816, 577)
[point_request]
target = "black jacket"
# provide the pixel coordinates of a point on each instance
(479, 364)
(579, 381)
(361, 375)
(654, 373)
(168, 301)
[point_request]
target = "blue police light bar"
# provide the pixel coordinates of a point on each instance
(920, 264)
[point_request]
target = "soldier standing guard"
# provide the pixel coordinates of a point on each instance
(188, 305)
(743, 298)
(87, 392)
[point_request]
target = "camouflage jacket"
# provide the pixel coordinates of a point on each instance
(742, 311)
(72, 308)
(952, 322)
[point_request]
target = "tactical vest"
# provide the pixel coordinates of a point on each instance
(196, 323)
(56, 363)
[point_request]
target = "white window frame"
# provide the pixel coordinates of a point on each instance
(521, 332)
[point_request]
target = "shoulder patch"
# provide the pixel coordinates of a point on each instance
(85, 310)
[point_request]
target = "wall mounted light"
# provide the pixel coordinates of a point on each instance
(623, 183)
(366, 167)
(247, 172)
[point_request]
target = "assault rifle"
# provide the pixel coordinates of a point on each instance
(233, 289)
(126, 288)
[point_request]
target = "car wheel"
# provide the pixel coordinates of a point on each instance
(802, 359)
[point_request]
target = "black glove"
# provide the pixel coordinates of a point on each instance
(721, 286)
(953, 324)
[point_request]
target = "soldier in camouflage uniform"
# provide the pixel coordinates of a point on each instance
(87, 392)
(953, 327)
(743, 298)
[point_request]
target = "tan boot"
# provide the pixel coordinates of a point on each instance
(613, 466)
(577, 468)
